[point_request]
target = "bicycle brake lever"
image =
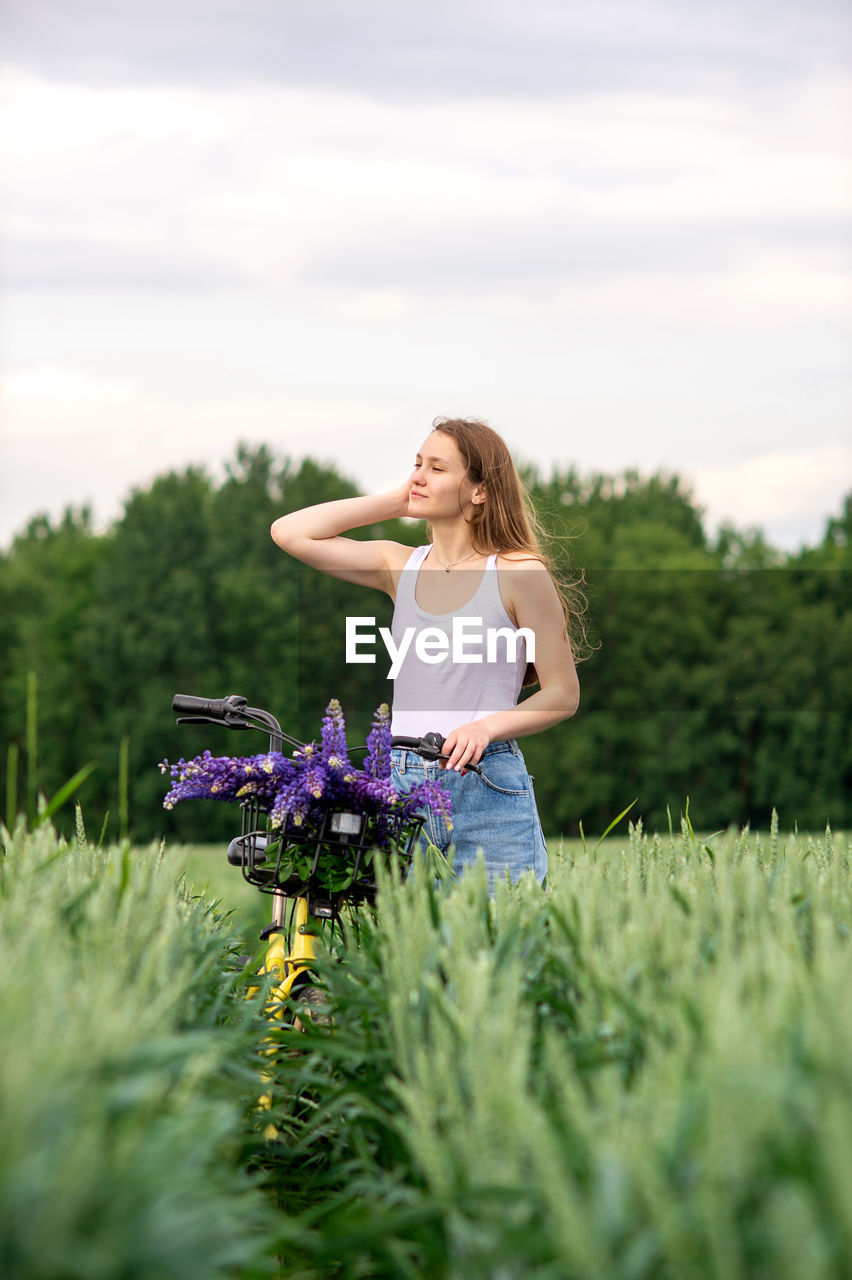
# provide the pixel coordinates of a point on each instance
(209, 720)
(430, 748)
(474, 768)
(436, 741)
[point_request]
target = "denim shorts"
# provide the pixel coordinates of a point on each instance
(494, 813)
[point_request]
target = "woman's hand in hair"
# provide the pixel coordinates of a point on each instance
(400, 498)
(465, 745)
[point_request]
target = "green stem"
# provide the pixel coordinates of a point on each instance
(11, 785)
(124, 788)
(32, 745)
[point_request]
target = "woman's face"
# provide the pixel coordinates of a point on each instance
(440, 488)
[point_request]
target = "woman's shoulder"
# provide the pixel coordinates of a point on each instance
(526, 582)
(396, 554)
(514, 560)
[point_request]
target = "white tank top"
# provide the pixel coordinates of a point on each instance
(457, 667)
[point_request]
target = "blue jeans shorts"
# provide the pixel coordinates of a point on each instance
(494, 814)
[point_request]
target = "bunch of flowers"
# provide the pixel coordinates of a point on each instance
(296, 791)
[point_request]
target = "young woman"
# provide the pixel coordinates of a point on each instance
(482, 578)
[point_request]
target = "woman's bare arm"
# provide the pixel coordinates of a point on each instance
(534, 603)
(313, 535)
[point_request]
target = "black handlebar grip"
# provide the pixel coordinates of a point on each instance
(187, 704)
(213, 708)
(429, 746)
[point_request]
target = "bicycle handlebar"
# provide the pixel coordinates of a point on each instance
(234, 712)
(429, 747)
(209, 708)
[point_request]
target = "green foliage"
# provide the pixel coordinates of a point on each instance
(720, 669)
(621, 522)
(128, 1073)
(39, 808)
(644, 1073)
(47, 587)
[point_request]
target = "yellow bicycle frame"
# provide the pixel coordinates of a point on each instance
(287, 961)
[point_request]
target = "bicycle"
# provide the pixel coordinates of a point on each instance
(303, 903)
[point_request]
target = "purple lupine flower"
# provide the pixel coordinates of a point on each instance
(204, 776)
(334, 736)
(430, 794)
(297, 791)
(371, 795)
(226, 777)
(306, 754)
(314, 781)
(377, 762)
(291, 806)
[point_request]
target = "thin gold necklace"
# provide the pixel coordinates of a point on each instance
(452, 564)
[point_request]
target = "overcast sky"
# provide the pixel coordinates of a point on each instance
(618, 231)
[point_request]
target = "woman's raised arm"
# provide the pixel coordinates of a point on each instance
(312, 535)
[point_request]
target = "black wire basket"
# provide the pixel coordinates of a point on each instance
(332, 865)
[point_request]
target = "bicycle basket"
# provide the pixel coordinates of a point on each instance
(333, 864)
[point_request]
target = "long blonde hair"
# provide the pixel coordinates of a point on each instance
(507, 520)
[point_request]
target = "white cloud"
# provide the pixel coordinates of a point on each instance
(111, 435)
(70, 437)
(49, 384)
(448, 47)
(266, 181)
(772, 291)
(790, 491)
(652, 274)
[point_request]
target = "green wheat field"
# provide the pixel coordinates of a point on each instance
(644, 1072)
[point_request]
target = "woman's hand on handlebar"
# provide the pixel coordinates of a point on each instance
(465, 745)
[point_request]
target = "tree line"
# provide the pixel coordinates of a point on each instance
(718, 668)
